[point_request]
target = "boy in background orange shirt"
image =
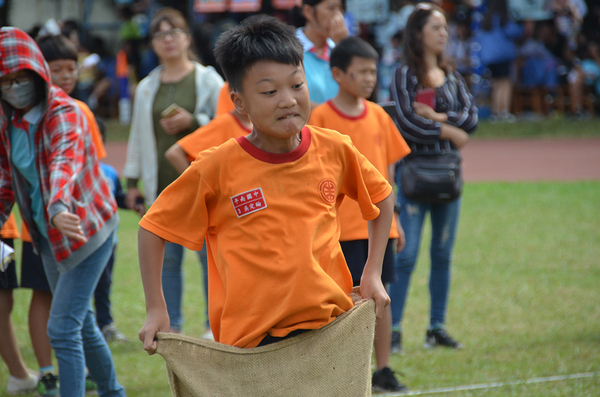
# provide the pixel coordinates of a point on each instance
(354, 67)
(228, 125)
(267, 204)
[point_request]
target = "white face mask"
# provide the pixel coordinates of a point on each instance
(21, 95)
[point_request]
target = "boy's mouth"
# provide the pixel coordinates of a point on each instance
(288, 116)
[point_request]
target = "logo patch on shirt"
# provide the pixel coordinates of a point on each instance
(327, 190)
(249, 202)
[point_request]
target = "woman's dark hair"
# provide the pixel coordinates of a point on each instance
(176, 19)
(412, 50)
(57, 47)
(495, 7)
(349, 48)
(257, 38)
(296, 17)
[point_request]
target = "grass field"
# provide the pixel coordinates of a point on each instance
(525, 298)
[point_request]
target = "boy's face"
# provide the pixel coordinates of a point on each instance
(359, 79)
(275, 97)
(64, 74)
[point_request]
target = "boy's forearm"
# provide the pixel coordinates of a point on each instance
(151, 250)
(379, 234)
(177, 157)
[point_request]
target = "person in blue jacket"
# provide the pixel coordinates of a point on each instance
(498, 51)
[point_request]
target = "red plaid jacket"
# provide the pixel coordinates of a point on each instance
(65, 158)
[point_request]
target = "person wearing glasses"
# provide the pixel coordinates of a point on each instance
(175, 99)
(49, 167)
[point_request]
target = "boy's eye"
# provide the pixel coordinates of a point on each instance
(269, 92)
(298, 85)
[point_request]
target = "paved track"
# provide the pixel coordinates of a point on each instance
(499, 160)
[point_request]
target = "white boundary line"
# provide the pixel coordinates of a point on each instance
(495, 384)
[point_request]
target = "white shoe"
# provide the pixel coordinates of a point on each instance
(22, 386)
(208, 335)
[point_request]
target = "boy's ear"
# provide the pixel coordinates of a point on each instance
(238, 102)
(338, 74)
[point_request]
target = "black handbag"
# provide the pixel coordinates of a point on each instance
(434, 177)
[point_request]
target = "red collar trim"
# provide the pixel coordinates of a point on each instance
(248, 130)
(347, 117)
(324, 55)
(277, 158)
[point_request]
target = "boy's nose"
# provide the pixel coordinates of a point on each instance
(287, 100)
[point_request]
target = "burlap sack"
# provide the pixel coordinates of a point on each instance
(332, 361)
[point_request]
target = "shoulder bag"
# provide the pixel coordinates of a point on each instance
(432, 176)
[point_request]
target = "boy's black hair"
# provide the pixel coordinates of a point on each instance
(349, 48)
(257, 38)
(56, 48)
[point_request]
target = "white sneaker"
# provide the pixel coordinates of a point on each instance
(208, 335)
(22, 386)
(111, 333)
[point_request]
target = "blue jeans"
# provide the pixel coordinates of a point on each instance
(102, 293)
(72, 329)
(172, 282)
(444, 223)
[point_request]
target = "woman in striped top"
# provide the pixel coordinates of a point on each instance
(443, 127)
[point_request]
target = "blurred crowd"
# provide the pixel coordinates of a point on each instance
(517, 65)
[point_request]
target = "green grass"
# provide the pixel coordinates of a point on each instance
(524, 301)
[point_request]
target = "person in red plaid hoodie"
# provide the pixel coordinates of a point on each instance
(49, 167)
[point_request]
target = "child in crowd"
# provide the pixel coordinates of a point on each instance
(21, 380)
(228, 125)
(224, 104)
(222, 128)
(50, 169)
(267, 204)
(61, 56)
(354, 68)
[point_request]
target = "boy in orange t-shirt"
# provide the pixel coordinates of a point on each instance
(267, 204)
(224, 104)
(354, 67)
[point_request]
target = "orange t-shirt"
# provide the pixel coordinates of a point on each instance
(224, 104)
(270, 220)
(375, 135)
(94, 130)
(10, 229)
(218, 131)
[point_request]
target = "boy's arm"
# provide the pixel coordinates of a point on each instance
(151, 250)
(379, 233)
(177, 157)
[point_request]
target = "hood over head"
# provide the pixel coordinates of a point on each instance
(19, 51)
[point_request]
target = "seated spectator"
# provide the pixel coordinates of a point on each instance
(539, 67)
(458, 46)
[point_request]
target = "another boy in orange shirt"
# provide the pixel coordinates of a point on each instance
(267, 204)
(354, 67)
(228, 125)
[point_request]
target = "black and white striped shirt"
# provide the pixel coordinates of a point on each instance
(452, 98)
